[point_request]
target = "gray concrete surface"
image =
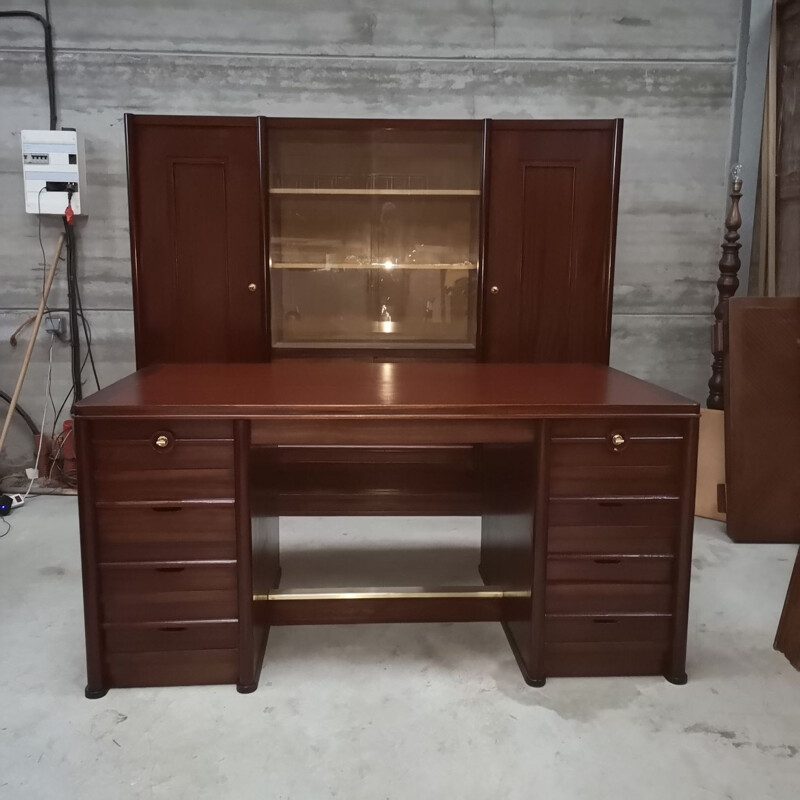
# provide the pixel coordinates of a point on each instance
(401, 712)
(666, 66)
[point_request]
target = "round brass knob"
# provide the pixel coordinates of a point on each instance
(495, 290)
(252, 287)
(162, 441)
(618, 440)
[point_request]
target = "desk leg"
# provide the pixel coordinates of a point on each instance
(513, 539)
(258, 559)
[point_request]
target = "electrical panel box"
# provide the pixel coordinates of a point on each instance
(53, 170)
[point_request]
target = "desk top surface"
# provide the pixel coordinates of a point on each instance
(319, 388)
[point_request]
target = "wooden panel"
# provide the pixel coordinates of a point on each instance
(166, 636)
(166, 484)
(552, 222)
(611, 569)
(176, 668)
(579, 659)
(165, 592)
(762, 434)
(787, 639)
(196, 240)
(143, 455)
(608, 628)
(147, 429)
(609, 598)
(576, 480)
(631, 427)
(174, 532)
(387, 433)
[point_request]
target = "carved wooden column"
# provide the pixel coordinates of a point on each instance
(727, 284)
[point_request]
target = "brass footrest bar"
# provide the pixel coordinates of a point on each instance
(393, 604)
(393, 593)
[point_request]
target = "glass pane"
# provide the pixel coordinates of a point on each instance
(374, 237)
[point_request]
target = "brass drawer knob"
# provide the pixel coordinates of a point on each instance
(495, 290)
(618, 440)
(252, 287)
(162, 441)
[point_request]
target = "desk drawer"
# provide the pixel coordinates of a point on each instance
(167, 532)
(610, 569)
(166, 592)
(167, 636)
(647, 428)
(608, 628)
(596, 659)
(146, 429)
(608, 598)
(166, 484)
(614, 527)
(143, 455)
(172, 668)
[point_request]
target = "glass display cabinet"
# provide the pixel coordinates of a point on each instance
(261, 238)
(374, 237)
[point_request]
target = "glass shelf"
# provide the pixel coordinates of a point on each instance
(374, 237)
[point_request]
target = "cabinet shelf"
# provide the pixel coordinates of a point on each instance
(379, 192)
(313, 265)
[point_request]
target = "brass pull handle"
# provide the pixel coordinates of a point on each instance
(252, 287)
(495, 290)
(618, 441)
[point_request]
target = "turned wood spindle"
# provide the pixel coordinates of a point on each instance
(727, 284)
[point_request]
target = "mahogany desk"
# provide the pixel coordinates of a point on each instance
(584, 478)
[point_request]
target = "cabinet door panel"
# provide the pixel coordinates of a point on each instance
(549, 264)
(197, 239)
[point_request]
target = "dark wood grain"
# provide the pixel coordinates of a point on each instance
(596, 659)
(551, 241)
(172, 668)
(762, 434)
(318, 389)
(608, 628)
(142, 637)
(196, 239)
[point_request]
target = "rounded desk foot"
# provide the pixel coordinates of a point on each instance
(678, 680)
(248, 688)
(94, 694)
(536, 682)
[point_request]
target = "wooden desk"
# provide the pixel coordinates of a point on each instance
(585, 483)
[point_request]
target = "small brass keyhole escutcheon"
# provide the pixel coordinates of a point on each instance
(162, 441)
(618, 440)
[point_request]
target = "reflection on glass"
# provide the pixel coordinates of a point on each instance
(374, 237)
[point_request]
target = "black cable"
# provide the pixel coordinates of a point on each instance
(87, 332)
(48, 56)
(23, 413)
(72, 302)
(8, 527)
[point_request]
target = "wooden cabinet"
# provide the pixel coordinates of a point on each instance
(258, 238)
(197, 228)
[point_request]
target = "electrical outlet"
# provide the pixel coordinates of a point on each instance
(56, 324)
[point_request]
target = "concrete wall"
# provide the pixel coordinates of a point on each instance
(664, 65)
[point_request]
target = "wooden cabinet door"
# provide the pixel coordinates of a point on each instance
(197, 239)
(550, 241)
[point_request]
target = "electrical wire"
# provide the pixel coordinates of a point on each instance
(49, 59)
(8, 527)
(22, 412)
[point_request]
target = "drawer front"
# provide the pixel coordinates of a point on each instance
(176, 532)
(610, 569)
(141, 593)
(146, 429)
(613, 527)
(608, 628)
(172, 668)
(175, 484)
(590, 659)
(649, 428)
(167, 636)
(578, 480)
(608, 598)
(143, 455)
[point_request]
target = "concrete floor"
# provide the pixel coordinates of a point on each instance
(403, 711)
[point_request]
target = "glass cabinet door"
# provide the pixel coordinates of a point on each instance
(374, 235)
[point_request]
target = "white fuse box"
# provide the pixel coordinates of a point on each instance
(53, 170)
